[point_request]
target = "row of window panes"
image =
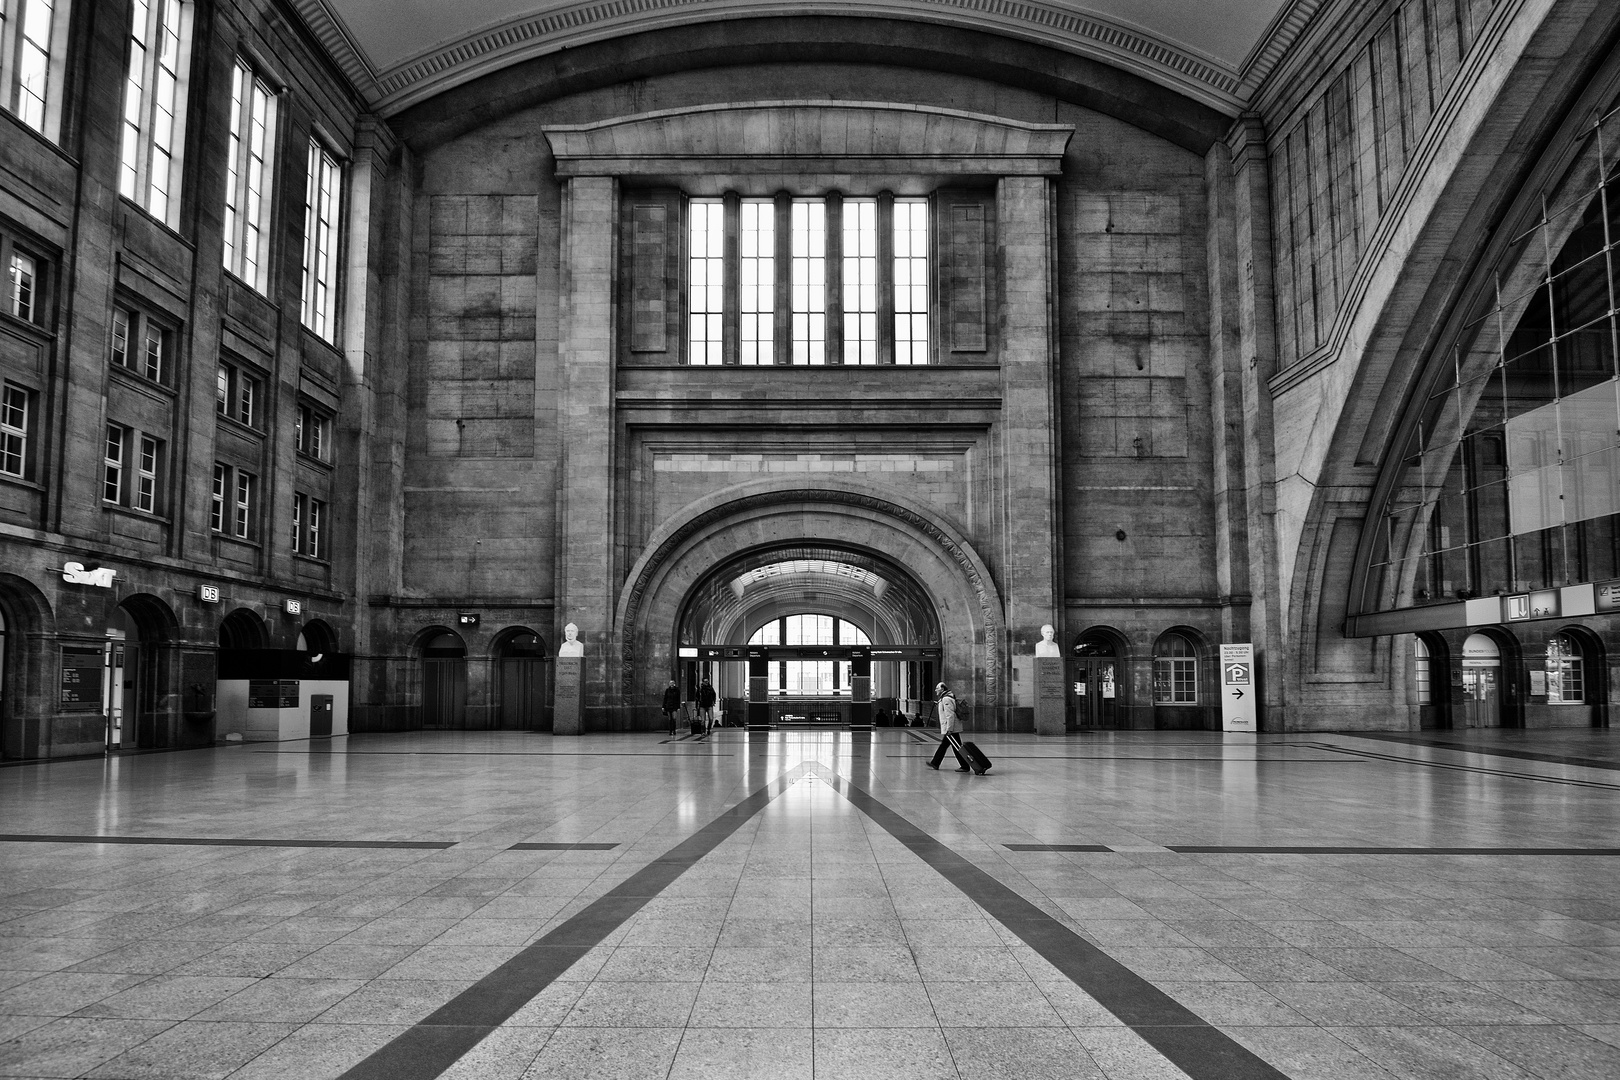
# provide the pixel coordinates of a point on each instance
(15, 404)
(234, 495)
(27, 30)
(139, 344)
(22, 278)
(309, 520)
(1564, 667)
(807, 281)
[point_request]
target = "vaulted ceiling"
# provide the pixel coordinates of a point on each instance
(402, 52)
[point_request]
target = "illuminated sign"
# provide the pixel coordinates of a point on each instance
(74, 573)
(1536, 605)
(293, 607)
(208, 594)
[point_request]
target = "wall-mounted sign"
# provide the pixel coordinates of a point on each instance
(74, 573)
(467, 618)
(272, 693)
(82, 667)
(1608, 595)
(208, 594)
(293, 607)
(1536, 605)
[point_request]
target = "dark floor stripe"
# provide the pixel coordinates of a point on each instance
(562, 847)
(434, 1044)
(221, 841)
(1452, 767)
(1199, 1049)
(1057, 847)
(1472, 747)
(1247, 849)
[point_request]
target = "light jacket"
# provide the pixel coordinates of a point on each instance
(947, 714)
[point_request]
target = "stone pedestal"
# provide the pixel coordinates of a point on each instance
(1049, 711)
(568, 698)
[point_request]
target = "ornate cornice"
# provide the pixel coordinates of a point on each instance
(567, 24)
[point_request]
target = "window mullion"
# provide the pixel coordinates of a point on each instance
(885, 277)
(784, 277)
(731, 322)
(835, 278)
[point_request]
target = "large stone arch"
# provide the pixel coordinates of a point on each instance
(848, 514)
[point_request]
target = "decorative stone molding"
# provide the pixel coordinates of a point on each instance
(664, 548)
(564, 25)
(773, 136)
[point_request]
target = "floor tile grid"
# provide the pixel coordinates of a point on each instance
(1136, 956)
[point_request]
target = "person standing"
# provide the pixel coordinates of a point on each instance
(949, 728)
(706, 700)
(672, 704)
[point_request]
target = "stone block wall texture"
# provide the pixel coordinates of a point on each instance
(1339, 149)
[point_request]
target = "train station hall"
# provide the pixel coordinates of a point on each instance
(871, 539)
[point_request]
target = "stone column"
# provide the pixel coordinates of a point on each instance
(585, 430)
(1028, 434)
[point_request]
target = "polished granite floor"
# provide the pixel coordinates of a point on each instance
(504, 905)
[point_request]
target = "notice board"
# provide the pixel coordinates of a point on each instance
(82, 669)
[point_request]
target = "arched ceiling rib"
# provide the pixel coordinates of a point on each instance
(398, 54)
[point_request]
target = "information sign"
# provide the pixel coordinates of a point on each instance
(82, 668)
(272, 693)
(1237, 688)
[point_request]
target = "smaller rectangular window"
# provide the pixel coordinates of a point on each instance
(1175, 681)
(152, 351)
(120, 337)
(146, 475)
(236, 394)
(242, 513)
(313, 433)
(315, 534)
(22, 275)
(14, 431)
(299, 499)
(112, 470)
(216, 508)
(706, 275)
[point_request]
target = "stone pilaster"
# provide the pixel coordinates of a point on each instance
(1257, 362)
(585, 430)
(1028, 430)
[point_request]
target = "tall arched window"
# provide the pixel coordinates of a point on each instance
(810, 678)
(1566, 683)
(1420, 672)
(1175, 671)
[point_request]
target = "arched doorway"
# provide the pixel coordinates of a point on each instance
(139, 701)
(1575, 677)
(317, 638)
(865, 527)
(1178, 692)
(522, 673)
(1485, 685)
(1094, 682)
(241, 629)
(1431, 684)
(444, 679)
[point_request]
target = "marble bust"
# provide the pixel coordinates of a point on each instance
(572, 646)
(1046, 646)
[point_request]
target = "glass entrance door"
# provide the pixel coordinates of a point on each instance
(1093, 689)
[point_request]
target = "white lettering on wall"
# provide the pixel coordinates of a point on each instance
(74, 573)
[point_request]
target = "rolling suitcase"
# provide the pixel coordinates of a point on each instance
(696, 727)
(975, 757)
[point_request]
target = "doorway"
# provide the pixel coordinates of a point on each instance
(521, 671)
(1093, 684)
(1480, 692)
(444, 681)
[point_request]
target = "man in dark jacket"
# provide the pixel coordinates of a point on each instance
(672, 704)
(706, 700)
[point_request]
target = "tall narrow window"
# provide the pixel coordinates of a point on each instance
(706, 274)
(216, 506)
(154, 100)
(312, 433)
(320, 243)
(247, 176)
(1175, 671)
(242, 515)
(112, 465)
(146, 475)
(860, 281)
(314, 534)
(152, 351)
(809, 284)
(28, 31)
(20, 276)
(14, 431)
(910, 281)
(1420, 672)
(120, 338)
(299, 500)
(1566, 681)
(757, 302)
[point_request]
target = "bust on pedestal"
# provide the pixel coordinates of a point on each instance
(1049, 710)
(568, 693)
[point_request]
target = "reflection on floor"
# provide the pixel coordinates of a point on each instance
(1132, 905)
